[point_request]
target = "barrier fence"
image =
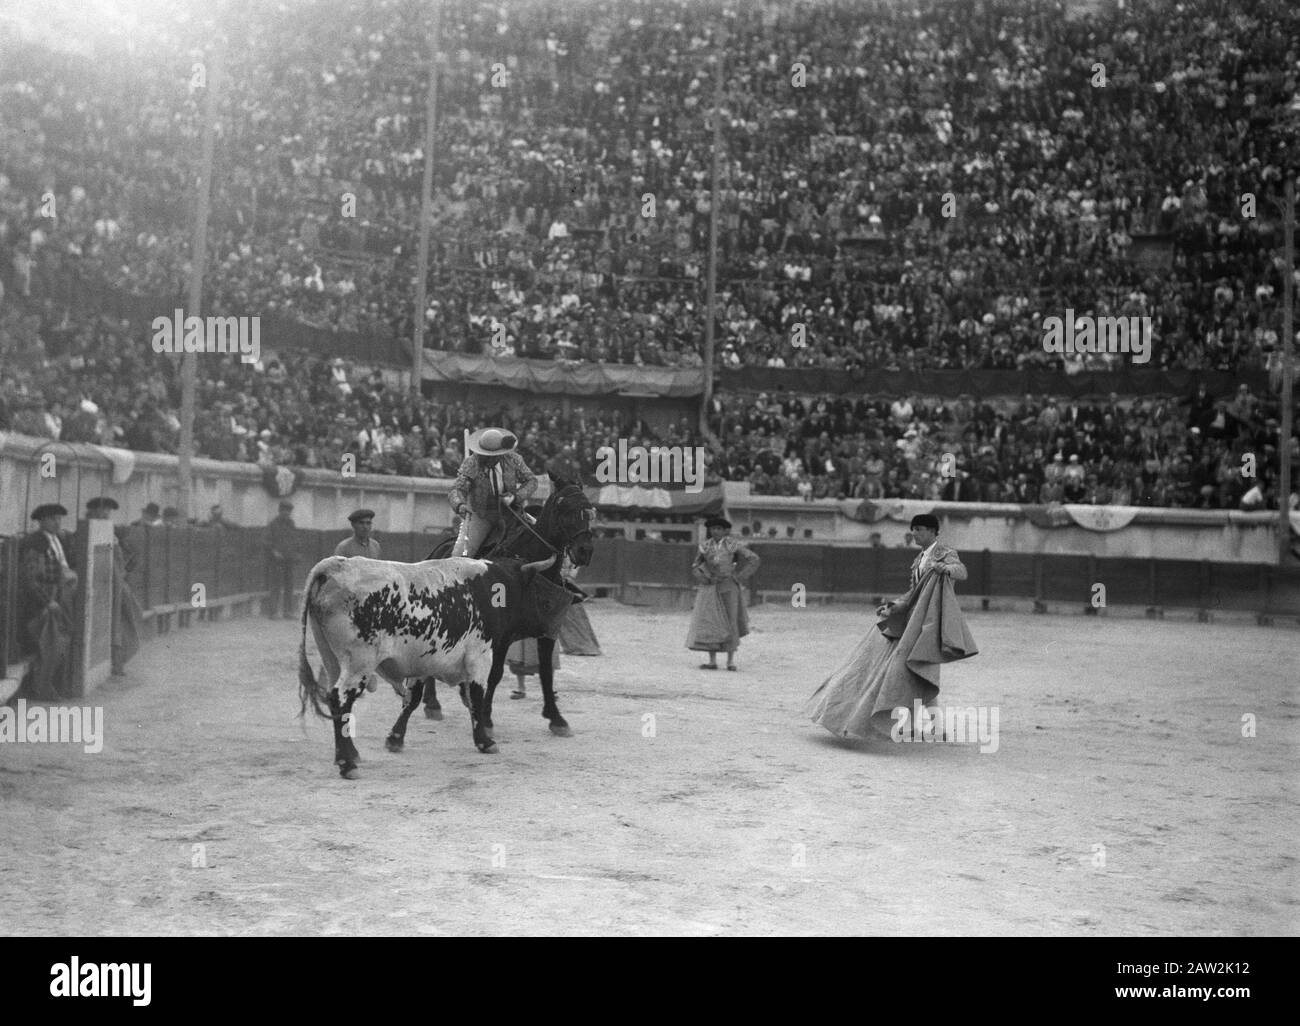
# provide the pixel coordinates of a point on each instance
(866, 574)
(164, 564)
(232, 564)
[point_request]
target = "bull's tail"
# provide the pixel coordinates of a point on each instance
(309, 688)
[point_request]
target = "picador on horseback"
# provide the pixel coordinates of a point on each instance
(492, 477)
(489, 494)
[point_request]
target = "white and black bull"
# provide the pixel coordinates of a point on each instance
(448, 618)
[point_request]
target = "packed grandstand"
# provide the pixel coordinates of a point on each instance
(947, 175)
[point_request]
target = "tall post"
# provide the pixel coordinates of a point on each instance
(710, 302)
(426, 201)
(198, 267)
(1288, 338)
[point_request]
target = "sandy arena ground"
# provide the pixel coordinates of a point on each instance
(736, 817)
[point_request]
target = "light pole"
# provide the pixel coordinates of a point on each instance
(198, 267)
(1288, 332)
(711, 296)
(426, 202)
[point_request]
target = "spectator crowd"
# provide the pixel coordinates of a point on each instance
(915, 184)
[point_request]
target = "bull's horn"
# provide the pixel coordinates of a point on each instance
(539, 567)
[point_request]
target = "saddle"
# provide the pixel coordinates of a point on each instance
(495, 537)
(444, 548)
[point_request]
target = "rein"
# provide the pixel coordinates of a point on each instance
(529, 528)
(551, 548)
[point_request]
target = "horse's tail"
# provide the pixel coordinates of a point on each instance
(309, 689)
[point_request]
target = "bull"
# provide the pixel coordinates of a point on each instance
(452, 619)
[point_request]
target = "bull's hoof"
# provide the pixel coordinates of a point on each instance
(433, 712)
(348, 771)
(394, 743)
(561, 730)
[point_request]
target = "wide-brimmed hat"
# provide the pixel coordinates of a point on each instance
(361, 514)
(717, 522)
(492, 441)
(103, 502)
(50, 509)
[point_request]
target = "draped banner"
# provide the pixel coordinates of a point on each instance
(1093, 518)
(669, 499)
(1101, 518)
(1053, 515)
(871, 511)
(950, 384)
(562, 378)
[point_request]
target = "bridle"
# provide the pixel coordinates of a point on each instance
(588, 515)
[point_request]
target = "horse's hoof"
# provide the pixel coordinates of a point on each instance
(394, 744)
(561, 730)
(488, 749)
(348, 771)
(433, 712)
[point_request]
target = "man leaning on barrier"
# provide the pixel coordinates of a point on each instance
(280, 535)
(127, 614)
(48, 587)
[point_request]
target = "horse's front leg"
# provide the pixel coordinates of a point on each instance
(494, 678)
(477, 705)
(397, 735)
(546, 671)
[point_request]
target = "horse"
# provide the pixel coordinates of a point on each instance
(563, 528)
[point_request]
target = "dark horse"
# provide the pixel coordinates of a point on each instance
(563, 528)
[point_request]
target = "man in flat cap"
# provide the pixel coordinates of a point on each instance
(48, 586)
(361, 543)
(127, 614)
(280, 535)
